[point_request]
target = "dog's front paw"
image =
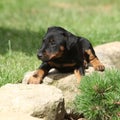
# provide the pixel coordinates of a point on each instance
(34, 80)
(99, 67)
(97, 64)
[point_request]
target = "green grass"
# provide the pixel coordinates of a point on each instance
(24, 22)
(99, 95)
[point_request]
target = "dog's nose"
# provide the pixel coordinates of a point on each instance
(39, 55)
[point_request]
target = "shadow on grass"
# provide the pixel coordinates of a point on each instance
(20, 40)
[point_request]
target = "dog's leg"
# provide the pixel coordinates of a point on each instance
(94, 61)
(37, 77)
(39, 74)
(79, 73)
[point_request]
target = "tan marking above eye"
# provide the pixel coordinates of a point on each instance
(62, 48)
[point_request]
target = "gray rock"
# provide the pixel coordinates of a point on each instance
(40, 101)
(109, 54)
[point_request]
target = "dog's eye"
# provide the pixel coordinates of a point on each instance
(51, 41)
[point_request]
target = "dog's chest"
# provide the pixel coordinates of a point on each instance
(62, 63)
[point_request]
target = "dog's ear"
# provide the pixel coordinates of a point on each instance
(66, 38)
(70, 39)
(49, 29)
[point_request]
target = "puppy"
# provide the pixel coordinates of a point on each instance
(65, 52)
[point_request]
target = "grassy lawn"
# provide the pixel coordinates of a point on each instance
(24, 22)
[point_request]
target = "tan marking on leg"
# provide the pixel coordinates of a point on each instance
(97, 65)
(37, 77)
(78, 75)
(95, 61)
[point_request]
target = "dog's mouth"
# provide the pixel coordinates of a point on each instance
(55, 55)
(47, 56)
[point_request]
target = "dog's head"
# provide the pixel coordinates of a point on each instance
(55, 43)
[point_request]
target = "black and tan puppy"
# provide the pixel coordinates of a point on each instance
(65, 52)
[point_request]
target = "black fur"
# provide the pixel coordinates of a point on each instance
(61, 48)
